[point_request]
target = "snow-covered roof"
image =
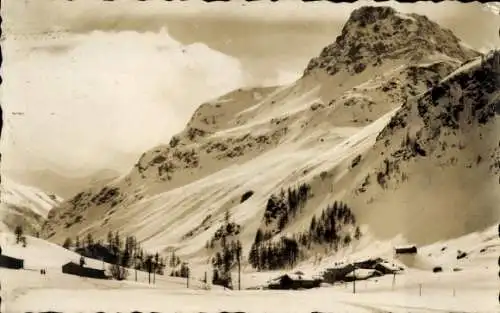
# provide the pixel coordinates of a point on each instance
(390, 266)
(337, 266)
(405, 247)
(293, 276)
(361, 273)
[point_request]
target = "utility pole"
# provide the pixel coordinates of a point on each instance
(136, 259)
(149, 269)
(354, 281)
(154, 272)
(393, 280)
(238, 255)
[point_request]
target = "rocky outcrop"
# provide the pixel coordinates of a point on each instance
(373, 35)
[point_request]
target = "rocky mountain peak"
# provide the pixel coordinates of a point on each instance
(375, 34)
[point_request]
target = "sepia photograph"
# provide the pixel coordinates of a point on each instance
(249, 156)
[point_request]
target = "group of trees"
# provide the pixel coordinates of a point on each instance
(175, 261)
(121, 253)
(20, 237)
(336, 227)
(285, 205)
(229, 255)
(183, 271)
(330, 225)
(274, 255)
(228, 229)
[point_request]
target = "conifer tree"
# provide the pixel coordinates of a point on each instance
(67, 243)
(19, 233)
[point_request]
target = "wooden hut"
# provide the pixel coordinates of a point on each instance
(294, 281)
(406, 250)
(337, 272)
(10, 262)
(72, 268)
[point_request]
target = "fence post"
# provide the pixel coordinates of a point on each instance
(393, 280)
(454, 292)
(420, 289)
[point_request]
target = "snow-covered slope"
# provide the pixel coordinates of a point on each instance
(416, 290)
(434, 170)
(24, 205)
(265, 139)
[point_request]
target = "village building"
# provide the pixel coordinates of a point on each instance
(340, 270)
(72, 268)
(337, 272)
(362, 274)
(297, 280)
(10, 262)
(406, 250)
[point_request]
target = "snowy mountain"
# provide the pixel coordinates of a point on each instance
(54, 182)
(24, 205)
(434, 169)
(372, 124)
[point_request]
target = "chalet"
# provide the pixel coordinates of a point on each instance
(406, 250)
(337, 272)
(340, 270)
(294, 281)
(368, 263)
(75, 269)
(362, 274)
(10, 262)
(387, 268)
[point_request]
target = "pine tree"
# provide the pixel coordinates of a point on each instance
(118, 242)
(238, 260)
(125, 259)
(90, 240)
(312, 227)
(357, 233)
(19, 233)
(67, 243)
(253, 256)
(110, 240)
(283, 221)
(173, 260)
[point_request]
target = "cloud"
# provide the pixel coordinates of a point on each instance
(492, 7)
(103, 93)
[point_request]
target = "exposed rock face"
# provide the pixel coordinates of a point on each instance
(441, 149)
(373, 35)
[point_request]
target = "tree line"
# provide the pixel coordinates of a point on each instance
(121, 252)
(336, 227)
(274, 255)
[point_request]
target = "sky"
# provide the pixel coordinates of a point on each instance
(98, 83)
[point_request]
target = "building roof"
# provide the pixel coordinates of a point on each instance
(361, 273)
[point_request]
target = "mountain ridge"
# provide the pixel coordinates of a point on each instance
(24, 206)
(310, 131)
